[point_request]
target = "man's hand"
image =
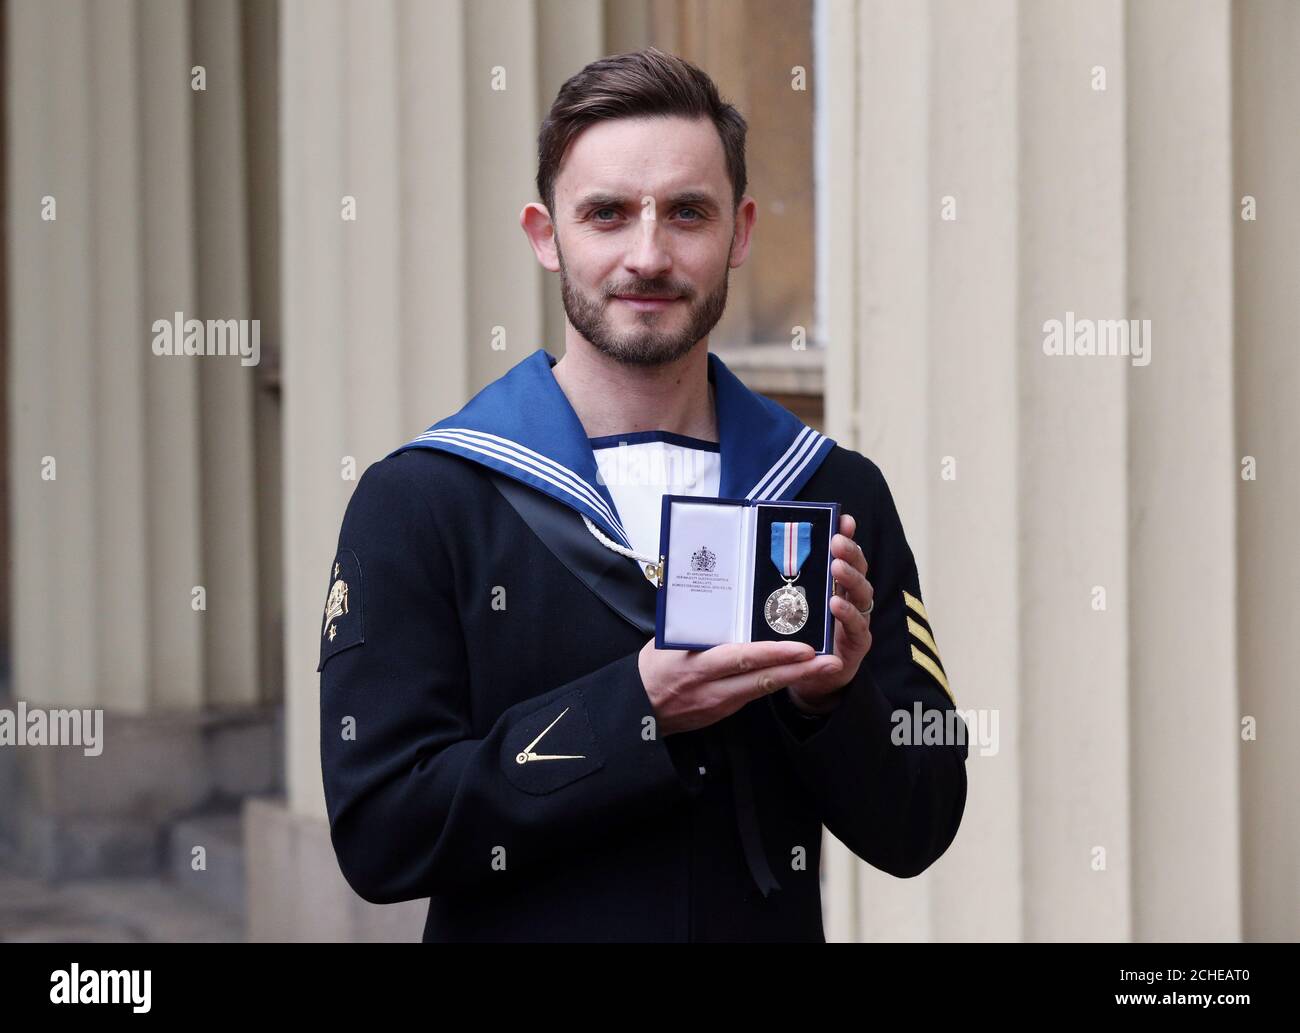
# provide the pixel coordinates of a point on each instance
(818, 692)
(694, 688)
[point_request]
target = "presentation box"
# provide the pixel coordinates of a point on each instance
(736, 570)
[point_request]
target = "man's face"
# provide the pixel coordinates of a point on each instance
(644, 231)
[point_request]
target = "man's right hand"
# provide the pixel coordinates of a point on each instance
(694, 688)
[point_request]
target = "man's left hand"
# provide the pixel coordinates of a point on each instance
(821, 693)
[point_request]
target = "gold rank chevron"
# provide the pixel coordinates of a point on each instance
(913, 603)
(921, 632)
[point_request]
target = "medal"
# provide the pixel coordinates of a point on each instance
(786, 609)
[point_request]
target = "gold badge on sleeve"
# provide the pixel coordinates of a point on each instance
(341, 625)
(336, 605)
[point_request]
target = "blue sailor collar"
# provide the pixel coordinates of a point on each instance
(522, 425)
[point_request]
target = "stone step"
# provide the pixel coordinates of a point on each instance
(149, 910)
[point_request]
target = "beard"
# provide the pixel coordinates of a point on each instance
(646, 344)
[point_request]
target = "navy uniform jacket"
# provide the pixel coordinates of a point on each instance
(467, 615)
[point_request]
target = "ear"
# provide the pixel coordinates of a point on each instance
(746, 214)
(536, 221)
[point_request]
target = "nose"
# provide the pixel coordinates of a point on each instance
(648, 259)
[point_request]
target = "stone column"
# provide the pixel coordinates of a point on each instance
(423, 116)
(1266, 168)
(1100, 575)
(131, 473)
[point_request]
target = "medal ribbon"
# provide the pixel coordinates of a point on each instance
(791, 543)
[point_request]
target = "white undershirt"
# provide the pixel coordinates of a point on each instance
(640, 469)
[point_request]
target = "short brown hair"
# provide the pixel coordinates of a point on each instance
(633, 85)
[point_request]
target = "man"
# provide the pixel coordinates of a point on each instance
(498, 731)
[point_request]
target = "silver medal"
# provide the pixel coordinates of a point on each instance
(786, 609)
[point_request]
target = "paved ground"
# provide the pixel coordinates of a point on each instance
(108, 911)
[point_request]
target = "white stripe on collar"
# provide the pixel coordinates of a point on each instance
(526, 459)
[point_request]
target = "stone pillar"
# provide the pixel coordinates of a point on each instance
(131, 473)
(1184, 580)
(1114, 808)
(1071, 500)
(425, 115)
(1266, 167)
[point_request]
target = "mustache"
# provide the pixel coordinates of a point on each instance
(649, 292)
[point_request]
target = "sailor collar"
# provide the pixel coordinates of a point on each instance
(523, 426)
